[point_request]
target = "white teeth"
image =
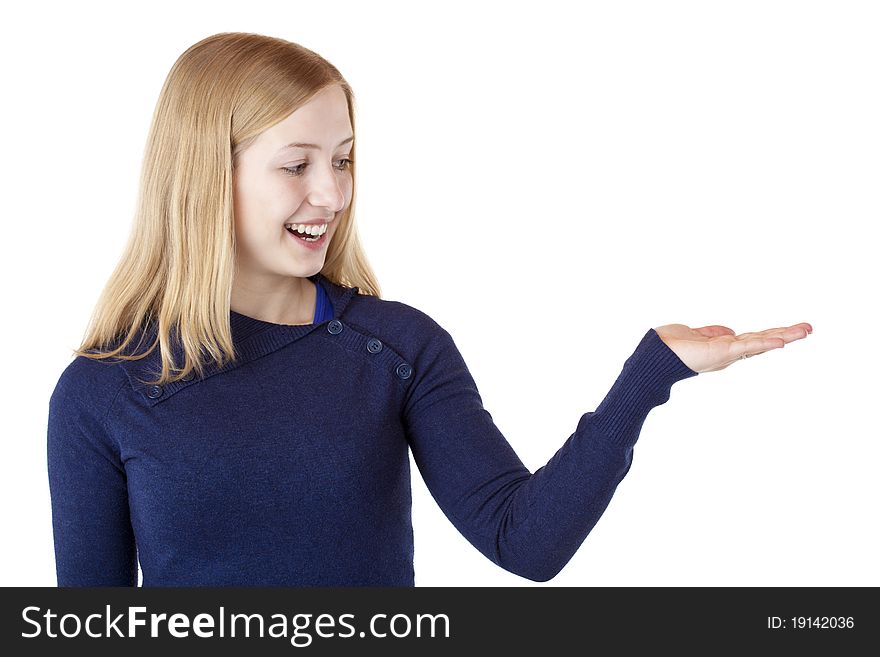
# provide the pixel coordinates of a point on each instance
(308, 229)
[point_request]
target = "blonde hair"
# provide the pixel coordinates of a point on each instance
(177, 268)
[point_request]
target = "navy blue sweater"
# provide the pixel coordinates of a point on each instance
(291, 467)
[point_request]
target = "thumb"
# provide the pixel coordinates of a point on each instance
(714, 330)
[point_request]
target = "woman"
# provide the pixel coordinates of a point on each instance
(241, 408)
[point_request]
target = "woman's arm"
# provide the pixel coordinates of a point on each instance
(530, 524)
(94, 540)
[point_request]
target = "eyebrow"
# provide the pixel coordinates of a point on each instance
(299, 144)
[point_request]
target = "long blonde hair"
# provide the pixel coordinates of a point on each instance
(177, 268)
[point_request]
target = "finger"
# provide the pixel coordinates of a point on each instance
(787, 333)
(754, 346)
(714, 331)
(796, 332)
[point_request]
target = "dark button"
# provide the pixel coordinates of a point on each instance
(154, 392)
(404, 371)
(374, 346)
(335, 326)
(189, 377)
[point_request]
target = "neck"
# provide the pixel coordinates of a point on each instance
(293, 303)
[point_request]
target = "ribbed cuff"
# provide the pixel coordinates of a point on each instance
(645, 382)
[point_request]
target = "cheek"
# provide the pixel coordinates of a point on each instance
(267, 208)
(283, 200)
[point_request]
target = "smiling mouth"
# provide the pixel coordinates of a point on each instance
(304, 237)
(307, 233)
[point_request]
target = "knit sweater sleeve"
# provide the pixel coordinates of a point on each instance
(94, 540)
(530, 524)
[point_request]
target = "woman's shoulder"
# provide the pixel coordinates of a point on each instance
(389, 315)
(88, 382)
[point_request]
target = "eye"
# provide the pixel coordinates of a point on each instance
(294, 171)
(300, 168)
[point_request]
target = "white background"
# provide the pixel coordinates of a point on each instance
(684, 162)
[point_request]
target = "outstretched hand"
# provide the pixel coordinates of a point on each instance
(712, 348)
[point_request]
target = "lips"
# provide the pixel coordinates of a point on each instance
(309, 241)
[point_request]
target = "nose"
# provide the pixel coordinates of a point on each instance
(324, 189)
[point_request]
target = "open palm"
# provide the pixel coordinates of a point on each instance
(711, 348)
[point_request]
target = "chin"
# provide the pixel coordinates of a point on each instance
(304, 271)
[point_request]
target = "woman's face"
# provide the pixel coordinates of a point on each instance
(276, 184)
